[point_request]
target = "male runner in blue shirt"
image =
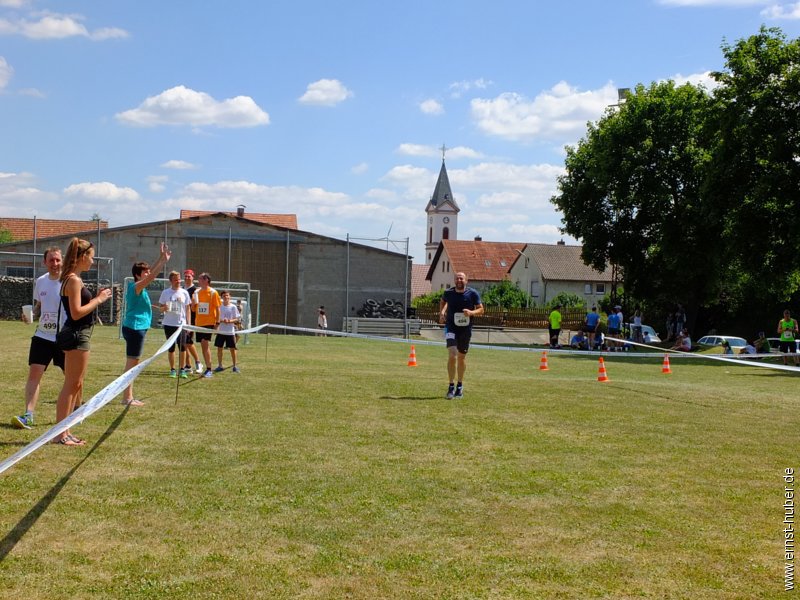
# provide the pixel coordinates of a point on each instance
(456, 309)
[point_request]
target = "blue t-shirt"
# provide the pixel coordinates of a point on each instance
(457, 302)
(138, 311)
(592, 319)
(614, 321)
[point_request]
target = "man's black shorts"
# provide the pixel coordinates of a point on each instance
(459, 338)
(43, 351)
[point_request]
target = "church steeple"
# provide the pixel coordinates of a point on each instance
(442, 212)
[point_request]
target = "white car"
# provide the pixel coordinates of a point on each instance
(646, 329)
(736, 343)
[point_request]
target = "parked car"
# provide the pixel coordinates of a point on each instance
(736, 343)
(654, 338)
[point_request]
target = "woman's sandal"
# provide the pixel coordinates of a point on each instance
(68, 441)
(78, 441)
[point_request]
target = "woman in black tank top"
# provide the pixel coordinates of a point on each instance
(79, 306)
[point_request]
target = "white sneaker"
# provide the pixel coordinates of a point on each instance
(199, 370)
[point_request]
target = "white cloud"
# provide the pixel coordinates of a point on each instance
(51, 26)
(559, 113)
(155, 183)
(458, 88)
(431, 107)
(360, 168)
(6, 72)
(702, 79)
(183, 106)
(19, 195)
(32, 92)
(432, 151)
(179, 165)
(782, 11)
(102, 190)
(13, 3)
(325, 92)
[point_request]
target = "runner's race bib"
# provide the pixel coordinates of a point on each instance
(174, 307)
(460, 319)
(47, 322)
(202, 308)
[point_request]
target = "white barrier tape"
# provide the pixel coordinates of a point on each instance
(197, 329)
(742, 360)
(96, 402)
(659, 352)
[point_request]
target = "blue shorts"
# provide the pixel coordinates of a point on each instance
(134, 341)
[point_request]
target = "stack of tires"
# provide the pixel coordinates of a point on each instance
(388, 309)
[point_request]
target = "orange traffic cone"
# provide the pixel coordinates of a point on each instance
(543, 363)
(665, 366)
(601, 373)
(412, 358)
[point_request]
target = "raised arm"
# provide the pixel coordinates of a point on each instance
(155, 269)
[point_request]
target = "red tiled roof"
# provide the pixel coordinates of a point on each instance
(419, 285)
(288, 221)
(479, 260)
(23, 229)
(559, 262)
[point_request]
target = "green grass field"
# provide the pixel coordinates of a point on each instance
(330, 469)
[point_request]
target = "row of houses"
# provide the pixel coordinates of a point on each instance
(542, 270)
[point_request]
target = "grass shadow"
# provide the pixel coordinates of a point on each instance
(411, 398)
(24, 525)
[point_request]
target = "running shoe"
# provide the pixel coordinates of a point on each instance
(199, 368)
(235, 370)
(459, 392)
(208, 374)
(173, 373)
(23, 421)
(451, 390)
(184, 374)
(219, 369)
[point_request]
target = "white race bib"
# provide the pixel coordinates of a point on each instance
(174, 307)
(202, 308)
(460, 319)
(48, 322)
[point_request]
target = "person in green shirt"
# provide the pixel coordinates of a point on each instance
(555, 326)
(787, 330)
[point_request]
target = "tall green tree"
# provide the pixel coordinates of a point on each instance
(5, 236)
(632, 194)
(754, 177)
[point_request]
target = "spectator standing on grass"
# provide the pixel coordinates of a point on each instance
(79, 306)
(191, 351)
(590, 325)
(139, 315)
(43, 350)
(615, 327)
(637, 326)
(322, 322)
(554, 321)
(176, 305)
(787, 330)
(226, 332)
(206, 303)
(458, 306)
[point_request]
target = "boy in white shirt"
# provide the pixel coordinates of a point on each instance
(176, 305)
(226, 332)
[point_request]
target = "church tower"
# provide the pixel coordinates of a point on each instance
(442, 214)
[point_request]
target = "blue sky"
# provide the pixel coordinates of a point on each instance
(334, 111)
